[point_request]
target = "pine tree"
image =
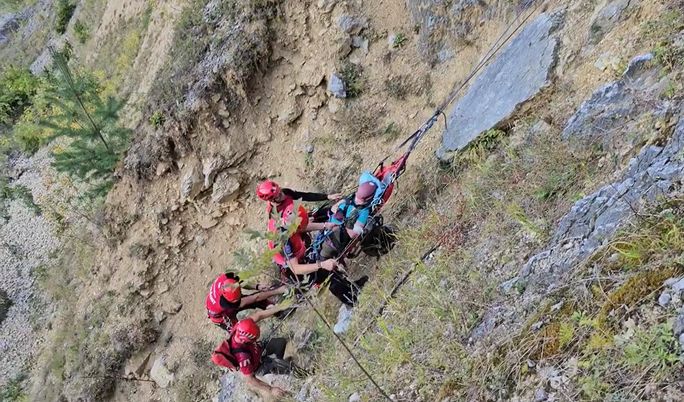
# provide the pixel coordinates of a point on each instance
(96, 141)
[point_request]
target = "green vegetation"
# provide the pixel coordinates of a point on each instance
(157, 119)
(65, 9)
(96, 141)
(86, 352)
(392, 131)
(17, 88)
(81, 31)
(352, 75)
(13, 391)
(14, 5)
(399, 40)
(403, 85)
(661, 33)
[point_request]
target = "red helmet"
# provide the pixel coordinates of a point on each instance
(246, 331)
(230, 290)
(268, 190)
(365, 192)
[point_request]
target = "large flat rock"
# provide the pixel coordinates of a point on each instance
(516, 75)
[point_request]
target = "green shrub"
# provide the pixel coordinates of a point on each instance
(157, 119)
(13, 391)
(17, 87)
(399, 40)
(28, 137)
(81, 31)
(65, 9)
(352, 76)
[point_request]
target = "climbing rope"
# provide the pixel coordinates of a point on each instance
(413, 139)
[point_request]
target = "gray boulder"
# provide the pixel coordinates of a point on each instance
(352, 25)
(519, 72)
(336, 86)
(9, 23)
(625, 101)
(678, 325)
(191, 181)
(344, 317)
(226, 188)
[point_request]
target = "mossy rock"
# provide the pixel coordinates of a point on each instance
(5, 304)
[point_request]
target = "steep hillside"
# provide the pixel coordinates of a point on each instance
(540, 221)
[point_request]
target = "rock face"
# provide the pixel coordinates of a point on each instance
(8, 24)
(607, 17)
(520, 71)
(625, 100)
(596, 218)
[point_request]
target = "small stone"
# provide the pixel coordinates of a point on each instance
(351, 25)
(359, 42)
(678, 286)
(309, 148)
(557, 382)
(664, 299)
(540, 395)
(159, 317)
(290, 112)
(160, 374)
(391, 38)
(210, 168)
(681, 341)
(336, 86)
(343, 319)
(678, 325)
(355, 397)
(162, 168)
(671, 281)
(191, 181)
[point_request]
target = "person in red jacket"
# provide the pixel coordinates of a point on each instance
(300, 269)
(242, 352)
(279, 199)
(225, 300)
